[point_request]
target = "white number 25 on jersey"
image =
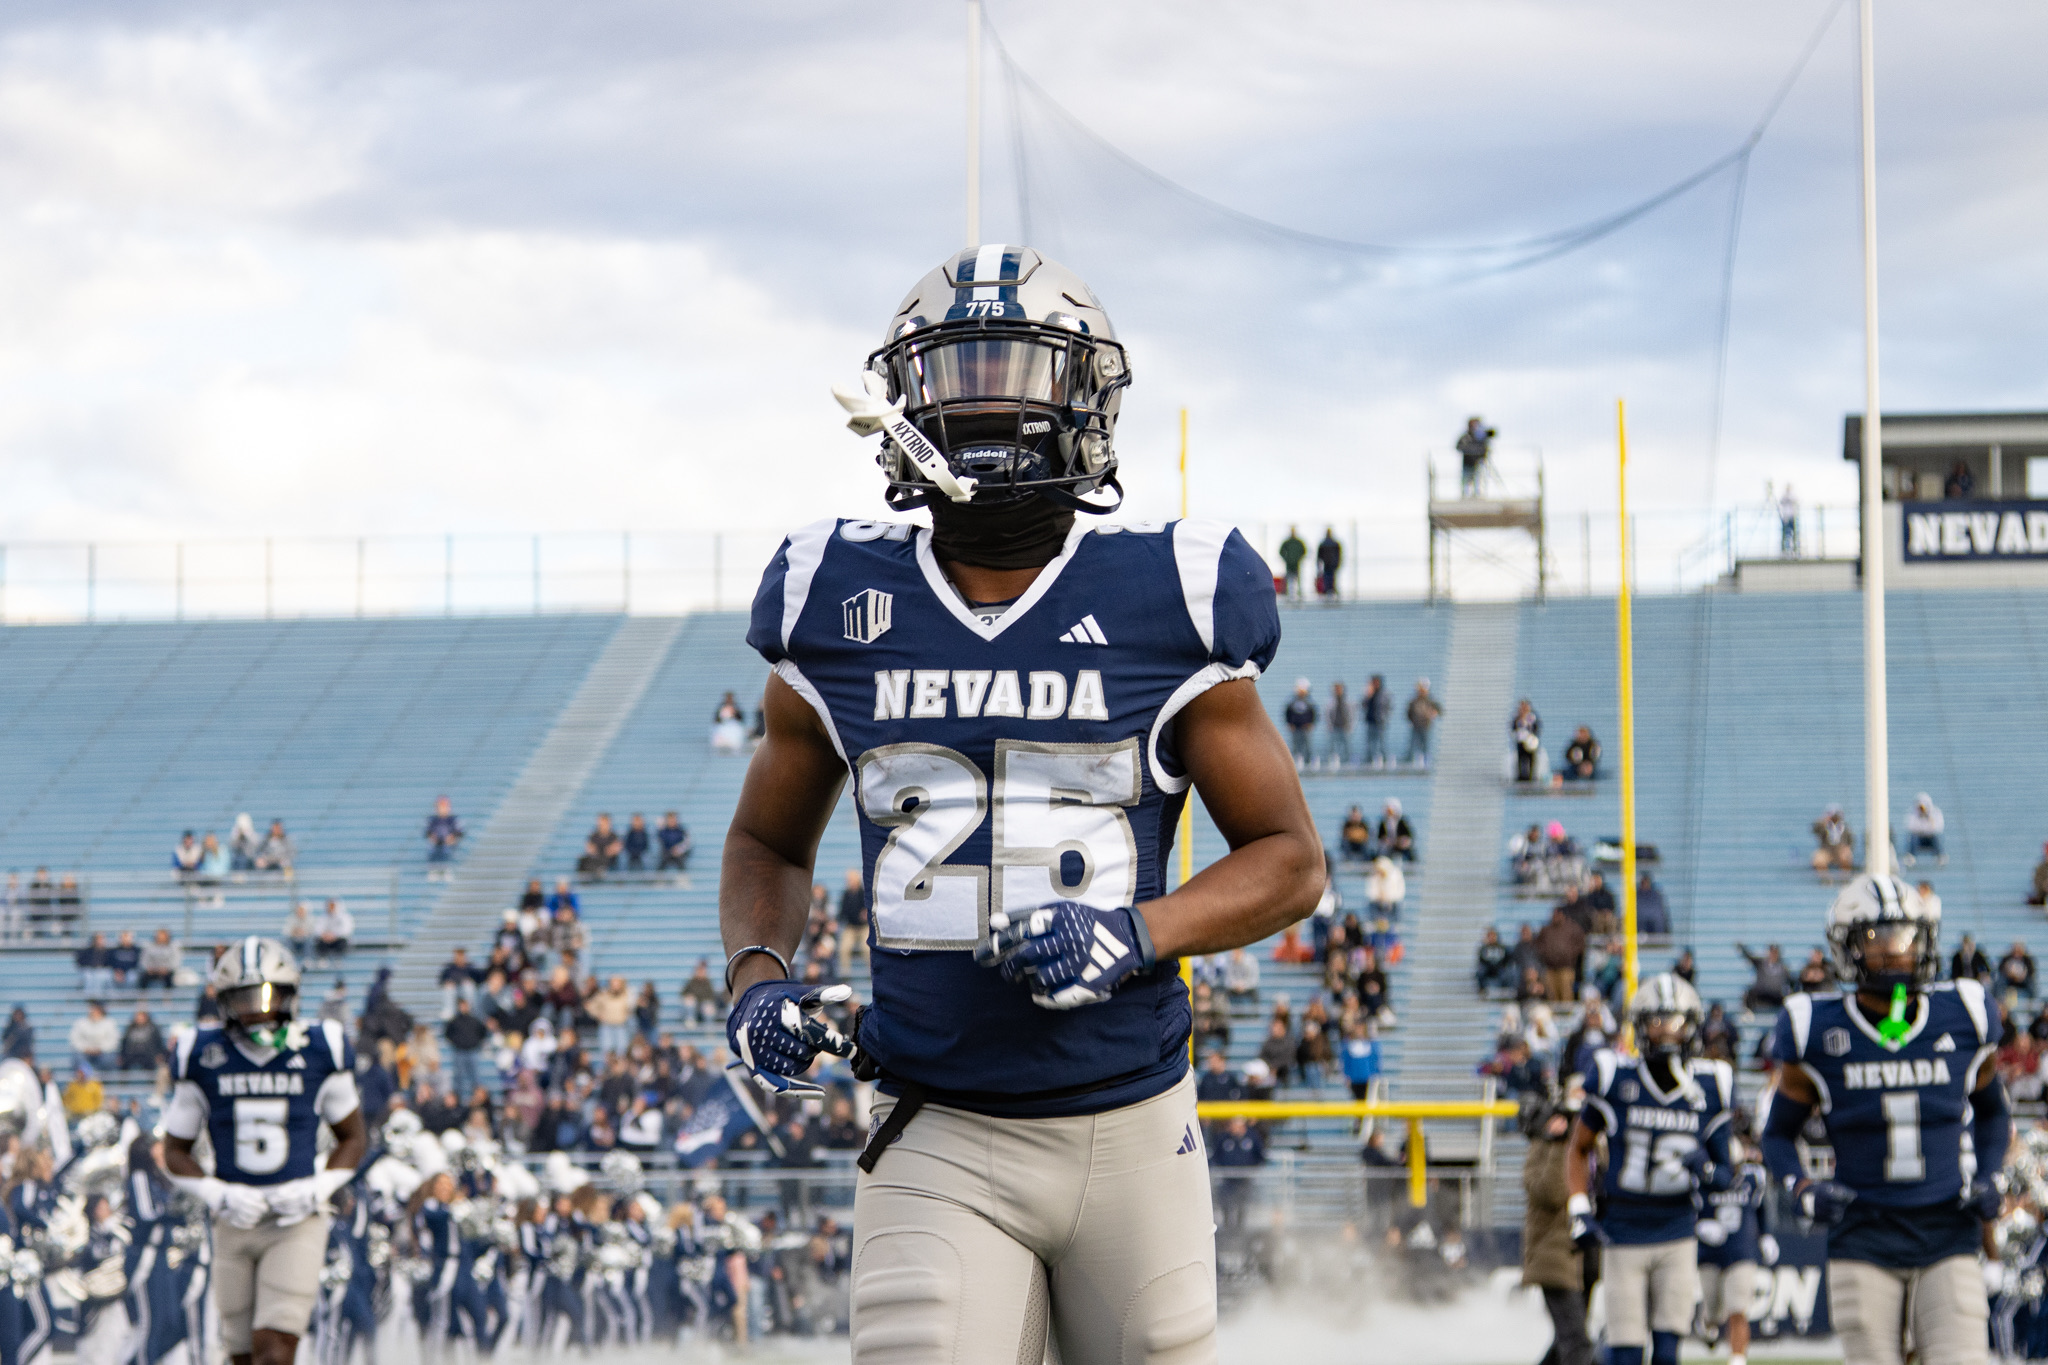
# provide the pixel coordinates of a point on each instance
(1055, 813)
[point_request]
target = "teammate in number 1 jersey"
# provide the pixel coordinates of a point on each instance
(260, 1086)
(1022, 700)
(1900, 1070)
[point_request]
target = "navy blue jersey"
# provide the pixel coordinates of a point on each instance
(1650, 1194)
(1897, 1117)
(1728, 1225)
(262, 1108)
(1002, 759)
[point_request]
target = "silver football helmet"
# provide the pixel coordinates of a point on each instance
(1880, 917)
(256, 981)
(1665, 1014)
(1006, 361)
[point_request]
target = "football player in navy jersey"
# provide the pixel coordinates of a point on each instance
(1665, 1118)
(1022, 700)
(1730, 1248)
(260, 1085)
(1900, 1071)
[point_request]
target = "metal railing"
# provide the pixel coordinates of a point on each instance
(204, 908)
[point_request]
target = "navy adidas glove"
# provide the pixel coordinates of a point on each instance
(1587, 1234)
(1069, 954)
(1825, 1202)
(1983, 1199)
(777, 1029)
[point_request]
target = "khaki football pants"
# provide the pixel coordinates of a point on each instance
(1726, 1291)
(1871, 1305)
(976, 1238)
(1651, 1287)
(266, 1278)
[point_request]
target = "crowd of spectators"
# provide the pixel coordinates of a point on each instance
(47, 905)
(1329, 559)
(1370, 715)
(609, 851)
(1530, 761)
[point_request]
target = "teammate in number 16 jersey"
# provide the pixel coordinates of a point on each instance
(1665, 1117)
(260, 1086)
(1022, 702)
(1899, 1068)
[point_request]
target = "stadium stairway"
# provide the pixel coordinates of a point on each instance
(501, 854)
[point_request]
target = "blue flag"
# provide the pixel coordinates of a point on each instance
(726, 1113)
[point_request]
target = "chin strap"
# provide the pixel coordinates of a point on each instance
(871, 411)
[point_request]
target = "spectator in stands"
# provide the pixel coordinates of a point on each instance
(1313, 1055)
(1814, 974)
(1773, 980)
(95, 972)
(458, 980)
(1354, 839)
(84, 1095)
(570, 938)
(2016, 972)
(1518, 1070)
(1301, 725)
(675, 844)
(214, 863)
(1423, 711)
(1396, 835)
(11, 907)
(1385, 888)
(142, 1043)
(1241, 975)
(1292, 551)
(465, 1035)
(185, 857)
(853, 921)
(2039, 894)
(334, 1005)
(124, 960)
(1495, 968)
(1211, 1017)
(1719, 1038)
(276, 853)
(1329, 558)
(206, 1009)
(1526, 854)
(95, 1038)
(336, 927)
(1277, 1051)
(1602, 921)
(636, 842)
(1375, 708)
(1338, 719)
(1923, 832)
(243, 841)
(1653, 917)
(1361, 1057)
(1582, 756)
(18, 1039)
(701, 995)
(444, 834)
(601, 848)
(1968, 962)
(1560, 947)
(1371, 984)
(1239, 1147)
(612, 1007)
(1835, 843)
(1684, 968)
(564, 898)
(161, 959)
(1960, 484)
(1525, 730)
(298, 930)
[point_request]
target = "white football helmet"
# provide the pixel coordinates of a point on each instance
(1879, 915)
(1665, 1014)
(256, 981)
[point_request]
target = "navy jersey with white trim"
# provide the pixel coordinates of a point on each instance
(1650, 1195)
(1005, 760)
(262, 1108)
(1728, 1230)
(1897, 1117)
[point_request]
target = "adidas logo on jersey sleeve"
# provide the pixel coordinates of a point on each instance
(1088, 632)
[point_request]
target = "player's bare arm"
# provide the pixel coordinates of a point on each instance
(1273, 874)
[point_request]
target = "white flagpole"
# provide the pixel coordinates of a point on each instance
(973, 123)
(1876, 749)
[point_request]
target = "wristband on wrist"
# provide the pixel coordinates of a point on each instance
(1579, 1206)
(733, 961)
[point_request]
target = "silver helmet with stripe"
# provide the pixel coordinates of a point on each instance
(256, 980)
(1665, 1014)
(1007, 363)
(1882, 934)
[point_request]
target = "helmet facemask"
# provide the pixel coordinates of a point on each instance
(1885, 954)
(1665, 1036)
(262, 1012)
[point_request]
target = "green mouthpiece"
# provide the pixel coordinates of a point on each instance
(1893, 1026)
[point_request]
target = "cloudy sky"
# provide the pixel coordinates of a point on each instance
(445, 265)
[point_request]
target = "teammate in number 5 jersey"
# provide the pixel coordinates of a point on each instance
(1900, 1072)
(260, 1086)
(1665, 1117)
(1022, 702)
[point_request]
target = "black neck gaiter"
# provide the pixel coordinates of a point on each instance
(1028, 534)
